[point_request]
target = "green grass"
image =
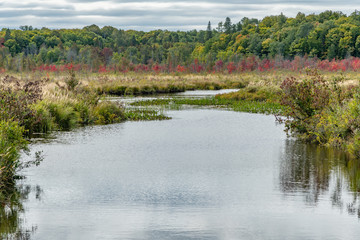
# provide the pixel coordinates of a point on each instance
(235, 105)
(144, 115)
(161, 88)
(258, 107)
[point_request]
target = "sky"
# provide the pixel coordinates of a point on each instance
(149, 15)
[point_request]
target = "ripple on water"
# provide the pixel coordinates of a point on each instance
(205, 174)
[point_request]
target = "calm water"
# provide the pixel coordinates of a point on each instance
(186, 94)
(205, 174)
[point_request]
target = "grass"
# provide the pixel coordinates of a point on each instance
(72, 99)
(144, 114)
(149, 83)
(235, 105)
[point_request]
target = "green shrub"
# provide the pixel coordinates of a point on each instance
(147, 90)
(339, 125)
(84, 112)
(353, 146)
(11, 195)
(305, 99)
(71, 81)
(324, 112)
(11, 142)
(64, 115)
(269, 94)
(44, 122)
(117, 90)
(16, 99)
(132, 91)
(108, 112)
(239, 85)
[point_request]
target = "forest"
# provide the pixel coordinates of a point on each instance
(329, 41)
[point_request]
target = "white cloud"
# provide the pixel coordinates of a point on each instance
(147, 15)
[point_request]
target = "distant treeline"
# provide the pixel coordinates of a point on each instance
(325, 36)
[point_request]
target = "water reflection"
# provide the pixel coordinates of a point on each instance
(316, 172)
(12, 220)
(206, 174)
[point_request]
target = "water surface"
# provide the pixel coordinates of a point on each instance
(187, 94)
(205, 174)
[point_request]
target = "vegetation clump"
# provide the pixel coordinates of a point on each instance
(323, 112)
(71, 81)
(107, 112)
(253, 93)
(16, 99)
(144, 114)
(11, 142)
(221, 101)
(119, 87)
(306, 100)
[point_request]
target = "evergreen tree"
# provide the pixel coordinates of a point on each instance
(238, 27)
(220, 27)
(7, 34)
(331, 52)
(228, 25)
(208, 33)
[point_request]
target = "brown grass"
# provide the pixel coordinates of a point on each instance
(56, 81)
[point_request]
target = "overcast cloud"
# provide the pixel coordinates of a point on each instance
(148, 15)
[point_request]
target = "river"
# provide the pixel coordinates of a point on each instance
(204, 174)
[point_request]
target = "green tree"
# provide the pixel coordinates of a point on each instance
(13, 46)
(7, 34)
(228, 25)
(208, 33)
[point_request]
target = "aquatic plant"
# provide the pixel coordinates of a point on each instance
(11, 142)
(255, 93)
(218, 101)
(63, 114)
(108, 112)
(144, 115)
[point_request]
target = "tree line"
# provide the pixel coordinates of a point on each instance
(328, 35)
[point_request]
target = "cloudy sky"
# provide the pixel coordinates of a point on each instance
(148, 15)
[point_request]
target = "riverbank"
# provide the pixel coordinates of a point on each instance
(29, 107)
(44, 102)
(132, 83)
(314, 107)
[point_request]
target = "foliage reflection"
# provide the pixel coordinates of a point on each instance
(315, 171)
(12, 221)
